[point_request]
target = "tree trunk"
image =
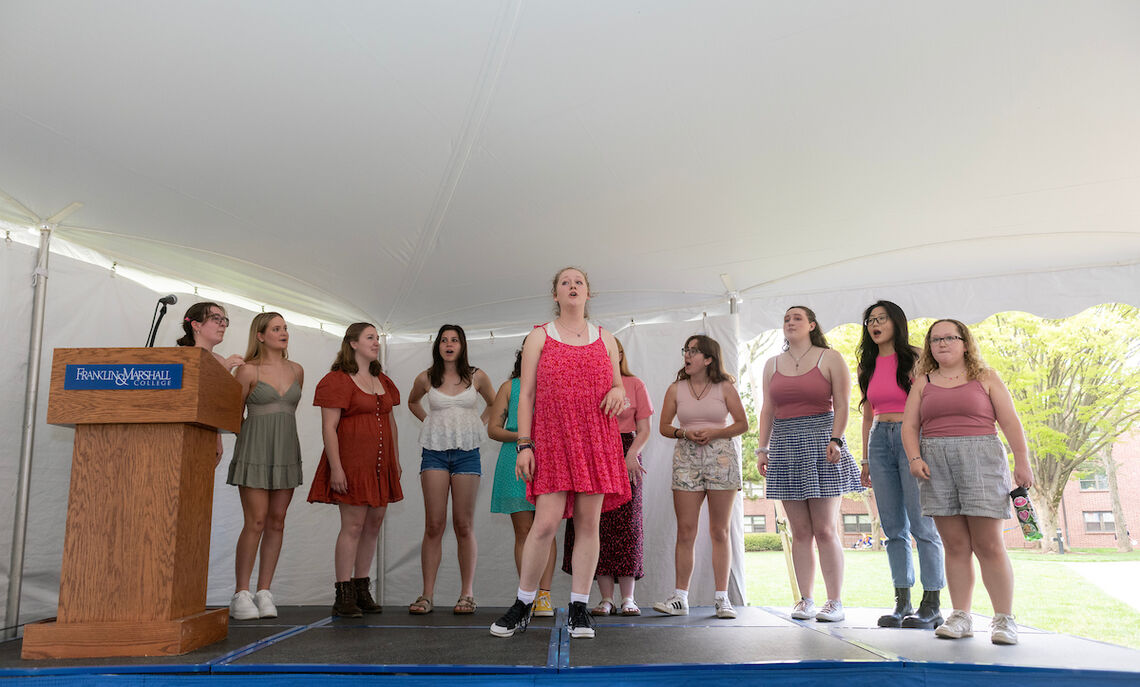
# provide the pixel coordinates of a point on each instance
(1047, 519)
(1123, 543)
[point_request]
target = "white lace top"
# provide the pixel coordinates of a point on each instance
(452, 421)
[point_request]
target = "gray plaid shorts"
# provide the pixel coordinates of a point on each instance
(716, 465)
(968, 476)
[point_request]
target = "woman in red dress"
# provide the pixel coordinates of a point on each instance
(360, 466)
(570, 395)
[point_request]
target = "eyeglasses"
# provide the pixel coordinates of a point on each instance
(690, 351)
(945, 340)
(218, 319)
(881, 319)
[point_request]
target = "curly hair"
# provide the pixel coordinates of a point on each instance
(975, 366)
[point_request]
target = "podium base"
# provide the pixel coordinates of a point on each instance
(51, 639)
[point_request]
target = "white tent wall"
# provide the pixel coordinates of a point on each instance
(87, 307)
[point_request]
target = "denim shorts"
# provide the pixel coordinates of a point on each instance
(453, 460)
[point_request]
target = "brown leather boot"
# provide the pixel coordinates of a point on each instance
(363, 597)
(345, 604)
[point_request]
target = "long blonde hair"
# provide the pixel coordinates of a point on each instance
(260, 323)
(975, 366)
(554, 289)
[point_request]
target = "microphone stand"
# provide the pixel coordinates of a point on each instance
(155, 321)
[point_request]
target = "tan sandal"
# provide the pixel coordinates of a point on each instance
(465, 606)
(421, 606)
(604, 607)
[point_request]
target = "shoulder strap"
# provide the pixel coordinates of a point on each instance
(820, 361)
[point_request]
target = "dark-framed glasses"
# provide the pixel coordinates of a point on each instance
(217, 319)
(934, 341)
(878, 319)
(690, 351)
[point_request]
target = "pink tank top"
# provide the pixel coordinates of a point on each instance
(960, 411)
(884, 393)
(806, 394)
(710, 412)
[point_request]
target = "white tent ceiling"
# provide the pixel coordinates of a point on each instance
(420, 162)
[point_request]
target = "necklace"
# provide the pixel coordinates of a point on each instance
(797, 360)
(703, 389)
(577, 334)
(950, 379)
(370, 387)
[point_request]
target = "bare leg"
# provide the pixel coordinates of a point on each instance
(464, 489)
(587, 516)
(626, 582)
(536, 552)
(956, 542)
(803, 557)
(606, 586)
(997, 573)
(521, 522)
(366, 548)
(436, 485)
(272, 537)
(720, 517)
(351, 525)
(687, 506)
(548, 573)
(824, 516)
(254, 508)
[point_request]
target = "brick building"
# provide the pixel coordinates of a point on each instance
(1085, 515)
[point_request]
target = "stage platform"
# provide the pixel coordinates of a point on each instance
(763, 645)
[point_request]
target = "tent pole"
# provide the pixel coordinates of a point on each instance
(383, 525)
(24, 478)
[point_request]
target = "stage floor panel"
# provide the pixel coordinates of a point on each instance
(762, 643)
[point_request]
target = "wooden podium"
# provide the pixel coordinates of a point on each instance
(137, 546)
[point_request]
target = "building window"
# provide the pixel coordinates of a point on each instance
(755, 523)
(1099, 521)
(857, 523)
(1098, 482)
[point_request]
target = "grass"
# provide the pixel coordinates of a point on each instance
(1049, 596)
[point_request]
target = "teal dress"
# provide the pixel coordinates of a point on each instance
(268, 453)
(508, 495)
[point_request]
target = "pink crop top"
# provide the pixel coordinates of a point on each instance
(884, 393)
(709, 412)
(960, 411)
(806, 394)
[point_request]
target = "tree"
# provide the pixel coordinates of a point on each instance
(1123, 541)
(1075, 384)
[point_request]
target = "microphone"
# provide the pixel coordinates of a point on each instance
(156, 319)
(168, 300)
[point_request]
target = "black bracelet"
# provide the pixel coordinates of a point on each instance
(838, 441)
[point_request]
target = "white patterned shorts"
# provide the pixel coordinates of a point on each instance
(716, 465)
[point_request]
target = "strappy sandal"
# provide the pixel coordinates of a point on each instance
(421, 606)
(604, 607)
(628, 607)
(465, 606)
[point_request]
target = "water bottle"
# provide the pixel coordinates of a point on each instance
(1026, 517)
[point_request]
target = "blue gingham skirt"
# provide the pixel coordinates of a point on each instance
(797, 461)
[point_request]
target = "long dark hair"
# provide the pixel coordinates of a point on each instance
(709, 348)
(517, 371)
(816, 335)
(435, 373)
(196, 313)
(346, 358)
(868, 352)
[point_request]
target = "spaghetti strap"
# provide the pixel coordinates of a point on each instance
(928, 378)
(820, 360)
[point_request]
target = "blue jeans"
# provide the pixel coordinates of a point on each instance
(900, 513)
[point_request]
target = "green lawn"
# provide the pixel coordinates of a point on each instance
(1049, 596)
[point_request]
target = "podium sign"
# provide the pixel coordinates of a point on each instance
(137, 544)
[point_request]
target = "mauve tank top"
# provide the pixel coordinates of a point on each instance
(710, 412)
(884, 393)
(806, 394)
(960, 411)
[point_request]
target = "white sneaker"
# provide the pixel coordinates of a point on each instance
(264, 602)
(832, 612)
(957, 626)
(242, 606)
(803, 610)
(674, 605)
(1003, 630)
(724, 609)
